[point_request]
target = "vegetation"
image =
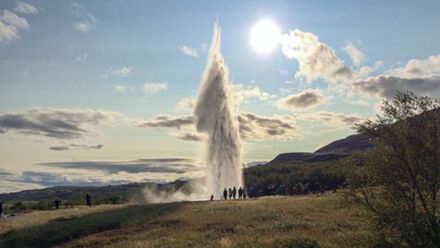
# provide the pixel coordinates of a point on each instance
(398, 182)
(300, 221)
(272, 179)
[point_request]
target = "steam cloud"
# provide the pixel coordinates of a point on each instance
(215, 116)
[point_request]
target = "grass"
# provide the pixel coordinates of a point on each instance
(302, 221)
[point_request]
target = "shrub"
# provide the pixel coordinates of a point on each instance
(398, 182)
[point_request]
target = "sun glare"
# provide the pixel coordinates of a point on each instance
(265, 36)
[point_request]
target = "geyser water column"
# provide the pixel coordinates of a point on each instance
(214, 113)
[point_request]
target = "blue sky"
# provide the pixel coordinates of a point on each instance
(132, 61)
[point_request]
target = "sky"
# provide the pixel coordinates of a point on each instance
(102, 92)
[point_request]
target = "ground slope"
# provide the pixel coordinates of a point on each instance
(261, 222)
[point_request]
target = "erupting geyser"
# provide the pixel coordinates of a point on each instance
(215, 116)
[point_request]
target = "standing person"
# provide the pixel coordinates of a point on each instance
(225, 194)
(57, 203)
(234, 192)
(240, 193)
(212, 197)
(244, 193)
(1, 208)
(88, 200)
(230, 193)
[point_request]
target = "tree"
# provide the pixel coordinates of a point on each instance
(398, 181)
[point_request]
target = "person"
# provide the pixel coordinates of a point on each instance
(240, 193)
(230, 193)
(1, 208)
(234, 192)
(212, 197)
(88, 200)
(57, 203)
(225, 194)
(244, 193)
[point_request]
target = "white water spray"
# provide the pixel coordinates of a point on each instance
(215, 116)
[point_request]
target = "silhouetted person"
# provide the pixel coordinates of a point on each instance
(1, 208)
(88, 200)
(225, 194)
(230, 193)
(240, 193)
(244, 193)
(57, 203)
(234, 192)
(212, 197)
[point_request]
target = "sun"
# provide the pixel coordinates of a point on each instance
(265, 36)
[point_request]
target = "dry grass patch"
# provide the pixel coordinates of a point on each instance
(305, 221)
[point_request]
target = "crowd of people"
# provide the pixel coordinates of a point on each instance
(231, 193)
(284, 189)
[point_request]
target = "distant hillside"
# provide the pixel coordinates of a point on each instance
(104, 194)
(307, 157)
(336, 150)
(350, 144)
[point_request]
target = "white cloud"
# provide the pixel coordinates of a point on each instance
(356, 55)
(331, 119)
(283, 72)
(154, 88)
(123, 71)
(251, 126)
(185, 104)
(57, 123)
(316, 59)
(204, 47)
(82, 26)
(419, 76)
(419, 68)
(259, 127)
(86, 20)
(82, 57)
(305, 99)
(12, 19)
(244, 94)
(10, 24)
(74, 146)
(25, 8)
(8, 32)
(119, 88)
(120, 72)
(189, 51)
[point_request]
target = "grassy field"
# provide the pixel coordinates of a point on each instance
(301, 221)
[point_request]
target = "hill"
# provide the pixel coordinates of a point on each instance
(304, 221)
(334, 151)
(75, 194)
(348, 145)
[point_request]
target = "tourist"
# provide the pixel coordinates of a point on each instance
(230, 193)
(88, 200)
(225, 194)
(240, 193)
(212, 197)
(57, 203)
(234, 192)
